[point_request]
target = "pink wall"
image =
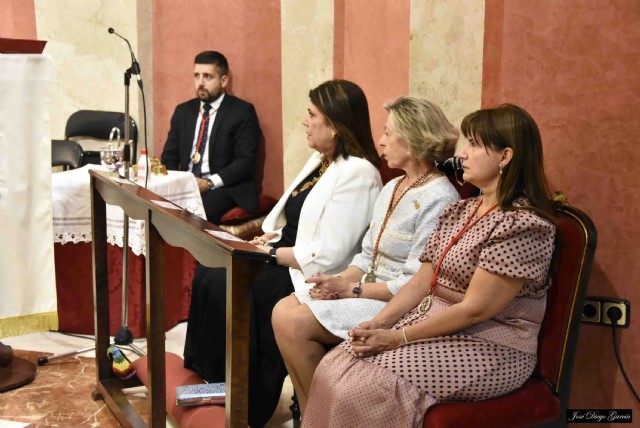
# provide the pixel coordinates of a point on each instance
(18, 19)
(573, 64)
(372, 49)
(249, 37)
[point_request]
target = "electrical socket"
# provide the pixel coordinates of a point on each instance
(591, 311)
(623, 305)
(595, 310)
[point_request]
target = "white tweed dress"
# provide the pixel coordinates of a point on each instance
(405, 236)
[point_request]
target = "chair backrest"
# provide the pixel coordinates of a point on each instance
(576, 239)
(465, 190)
(98, 125)
(66, 153)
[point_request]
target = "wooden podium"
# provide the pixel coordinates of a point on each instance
(179, 228)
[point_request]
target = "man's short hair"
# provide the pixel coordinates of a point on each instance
(215, 58)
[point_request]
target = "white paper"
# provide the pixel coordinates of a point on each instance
(224, 235)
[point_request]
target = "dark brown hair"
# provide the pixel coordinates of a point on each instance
(344, 105)
(215, 58)
(511, 126)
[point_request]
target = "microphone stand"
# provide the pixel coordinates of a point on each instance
(124, 336)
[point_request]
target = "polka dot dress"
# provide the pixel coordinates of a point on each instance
(395, 388)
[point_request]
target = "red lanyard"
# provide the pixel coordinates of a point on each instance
(455, 239)
(202, 125)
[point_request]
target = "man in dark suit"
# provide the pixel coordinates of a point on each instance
(216, 136)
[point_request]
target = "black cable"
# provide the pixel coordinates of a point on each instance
(615, 314)
(80, 336)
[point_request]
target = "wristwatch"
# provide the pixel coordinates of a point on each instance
(274, 258)
(357, 290)
(210, 186)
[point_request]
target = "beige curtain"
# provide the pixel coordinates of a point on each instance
(27, 275)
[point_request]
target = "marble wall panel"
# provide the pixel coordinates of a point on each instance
(17, 19)
(376, 52)
(248, 36)
(446, 54)
(573, 65)
(307, 61)
(88, 62)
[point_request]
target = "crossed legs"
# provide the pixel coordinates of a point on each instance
(302, 341)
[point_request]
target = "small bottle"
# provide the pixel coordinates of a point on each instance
(142, 166)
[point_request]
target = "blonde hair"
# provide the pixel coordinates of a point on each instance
(425, 128)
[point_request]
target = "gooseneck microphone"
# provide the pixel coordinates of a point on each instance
(135, 67)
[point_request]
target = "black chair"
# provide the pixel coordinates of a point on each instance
(67, 154)
(98, 125)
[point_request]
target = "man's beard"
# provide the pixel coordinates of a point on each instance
(206, 96)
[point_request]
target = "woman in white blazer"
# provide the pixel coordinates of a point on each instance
(416, 136)
(316, 227)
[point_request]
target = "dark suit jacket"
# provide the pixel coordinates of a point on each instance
(233, 146)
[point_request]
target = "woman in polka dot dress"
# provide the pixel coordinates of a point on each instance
(466, 326)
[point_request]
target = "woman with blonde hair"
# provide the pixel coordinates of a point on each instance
(416, 136)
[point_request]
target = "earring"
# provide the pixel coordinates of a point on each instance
(333, 134)
(500, 167)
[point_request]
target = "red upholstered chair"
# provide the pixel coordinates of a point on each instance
(246, 224)
(544, 398)
(176, 375)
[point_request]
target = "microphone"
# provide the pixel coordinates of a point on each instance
(135, 67)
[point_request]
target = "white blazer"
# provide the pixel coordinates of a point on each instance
(333, 219)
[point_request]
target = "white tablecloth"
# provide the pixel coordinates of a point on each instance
(72, 206)
(27, 275)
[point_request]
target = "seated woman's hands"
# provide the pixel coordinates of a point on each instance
(371, 337)
(329, 287)
(261, 241)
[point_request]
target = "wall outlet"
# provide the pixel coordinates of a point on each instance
(595, 311)
(591, 311)
(623, 305)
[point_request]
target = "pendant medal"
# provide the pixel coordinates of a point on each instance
(196, 157)
(370, 277)
(425, 304)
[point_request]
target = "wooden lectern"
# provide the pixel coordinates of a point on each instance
(179, 228)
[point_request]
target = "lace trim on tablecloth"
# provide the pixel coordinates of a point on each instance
(71, 237)
(72, 210)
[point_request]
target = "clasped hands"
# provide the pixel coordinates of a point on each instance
(329, 287)
(372, 337)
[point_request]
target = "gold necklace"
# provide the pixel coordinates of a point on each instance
(310, 184)
(371, 275)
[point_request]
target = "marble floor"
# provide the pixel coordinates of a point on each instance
(57, 343)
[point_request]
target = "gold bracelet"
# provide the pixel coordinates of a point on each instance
(404, 336)
(260, 240)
